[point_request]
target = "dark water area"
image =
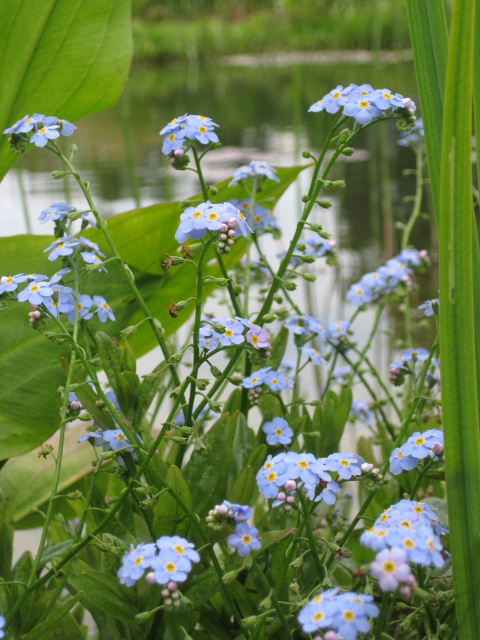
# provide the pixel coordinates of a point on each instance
(263, 115)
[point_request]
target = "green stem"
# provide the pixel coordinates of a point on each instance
(381, 617)
(420, 477)
(23, 197)
(246, 288)
(311, 539)
(271, 593)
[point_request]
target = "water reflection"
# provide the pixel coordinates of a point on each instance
(263, 115)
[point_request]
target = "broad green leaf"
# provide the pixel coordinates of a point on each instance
(27, 480)
(279, 345)
(47, 628)
(110, 356)
(6, 537)
(66, 58)
(207, 469)
(457, 327)
(332, 420)
(257, 457)
(104, 591)
(243, 487)
(242, 445)
(169, 518)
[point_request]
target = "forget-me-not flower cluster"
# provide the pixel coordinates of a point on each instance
(44, 128)
(255, 170)
(361, 102)
(418, 447)
(187, 128)
(348, 614)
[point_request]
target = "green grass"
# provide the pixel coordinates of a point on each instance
(343, 26)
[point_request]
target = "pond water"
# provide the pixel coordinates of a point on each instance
(262, 112)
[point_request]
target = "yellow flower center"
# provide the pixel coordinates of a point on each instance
(430, 544)
(61, 245)
(359, 292)
(170, 567)
(27, 121)
(173, 121)
(389, 567)
(9, 280)
(241, 216)
(121, 437)
(196, 214)
(406, 524)
(419, 441)
(178, 549)
(138, 561)
(381, 534)
(344, 463)
(315, 352)
(258, 218)
(303, 464)
(274, 380)
(336, 95)
(399, 454)
(363, 104)
(54, 304)
(387, 96)
(318, 598)
(267, 466)
(105, 306)
(171, 137)
(34, 288)
(408, 543)
(246, 539)
(318, 616)
(278, 432)
(384, 518)
(271, 476)
(418, 509)
(42, 130)
(348, 615)
(202, 129)
(212, 216)
(254, 339)
(228, 333)
(254, 381)
(320, 102)
(207, 343)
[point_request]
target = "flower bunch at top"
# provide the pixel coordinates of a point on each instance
(413, 137)
(211, 336)
(362, 102)
(178, 130)
(361, 411)
(387, 278)
(345, 613)
(318, 246)
(405, 532)
(313, 473)
(418, 446)
(170, 559)
(223, 218)
(256, 170)
(261, 219)
(44, 128)
(55, 298)
(275, 380)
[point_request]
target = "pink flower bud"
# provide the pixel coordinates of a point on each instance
(232, 223)
(168, 602)
(165, 592)
(172, 160)
(175, 595)
(290, 499)
(221, 245)
(224, 228)
(288, 509)
(423, 253)
(406, 591)
(281, 496)
(179, 153)
(366, 467)
(437, 448)
(411, 580)
(36, 314)
(74, 406)
(150, 578)
(231, 233)
(258, 389)
(230, 242)
(375, 472)
(290, 485)
(407, 103)
(330, 635)
(223, 509)
(172, 585)
(223, 237)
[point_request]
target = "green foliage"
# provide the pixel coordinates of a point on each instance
(67, 58)
(169, 518)
(457, 328)
(47, 628)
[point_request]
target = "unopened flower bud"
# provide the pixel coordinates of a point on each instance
(150, 578)
(231, 233)
(230, 242)
(224, 228)
(281, 496)
(172, 585)
(411, 580)
(168, 602)
(290, 499)
(172, 160)
(406, 591)
(178, 153)
(232, 223)
(375, 472)
(258, 389)
(407, 102)
(288, 509)
(74, 406)
(290, 485)
(36, 314)
(330, 635)
(366, 467)
(221, 245)
(437, 448)
(223, 237)
(175, 595)
(223, 509)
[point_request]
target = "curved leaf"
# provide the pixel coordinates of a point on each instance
(67, 58)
